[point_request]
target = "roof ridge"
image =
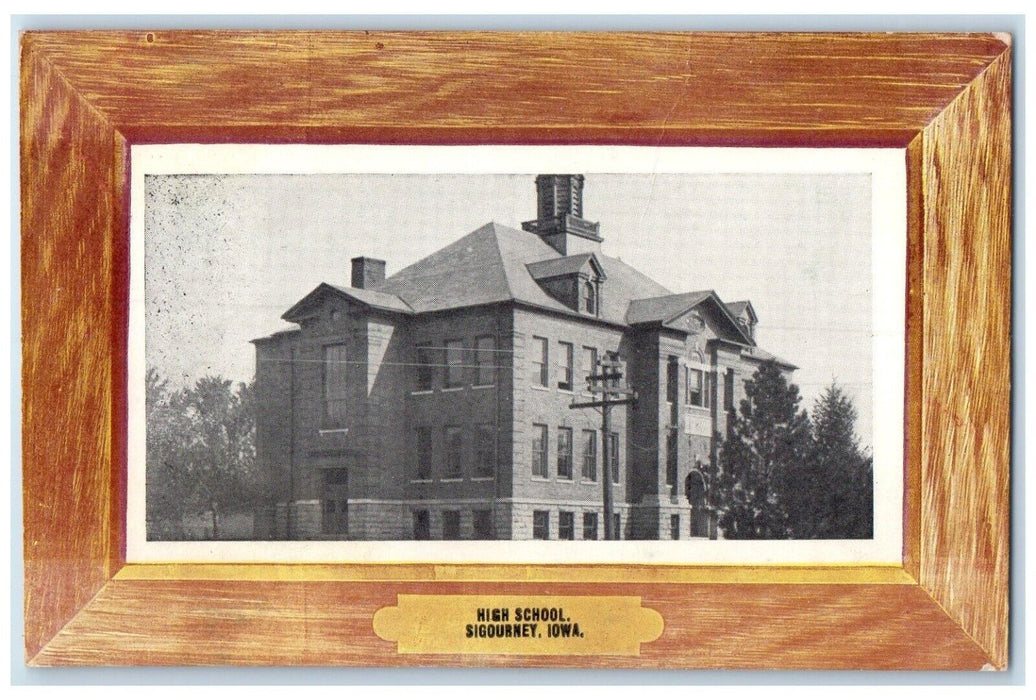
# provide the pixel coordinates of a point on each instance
(500, 257)
(363, 296)
(673, 305)
(563, 264)
(437, 251)
(351, 291)
(679, 294)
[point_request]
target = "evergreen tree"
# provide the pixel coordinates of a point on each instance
(839, 496)
(762, 459)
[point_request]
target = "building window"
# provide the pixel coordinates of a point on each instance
(539, 450)
(728, 390)
(590, 297)
(566, 525)
(541, 525)
(454, 446)
(616, 526)
(564, 453)
(454, 363)
(590, 455)
(590, 363)
(671, 442)
(674, 527)
(565, 359)
(693, 397)
(485, 449)
(421, 529)
(589, 526)
(613, 456)
(424, 452)
(672, 380)
(485, 360)
(698, 387)
(482, 524)
(451, 524)
(335, 396)
(425, 367)
(539, 362)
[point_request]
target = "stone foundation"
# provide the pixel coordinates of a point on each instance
(394, 520)
(653, 521)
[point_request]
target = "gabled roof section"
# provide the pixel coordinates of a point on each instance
(568, 265)
(663, 309)
(367, 297)
(736, 308)
(375, 299)
(666, 309)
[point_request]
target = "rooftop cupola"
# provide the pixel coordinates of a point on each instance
(560, 222)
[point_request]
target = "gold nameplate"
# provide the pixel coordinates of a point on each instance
(542, 625)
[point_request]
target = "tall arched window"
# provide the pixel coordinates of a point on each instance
(590, 297)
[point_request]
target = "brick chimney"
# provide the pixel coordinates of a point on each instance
(559, 211)
(367, 272)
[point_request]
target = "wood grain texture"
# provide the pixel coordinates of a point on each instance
(915, 358)
(321, 623)
(469, 86)
(967, 378)
(72, 174)
(86, 96)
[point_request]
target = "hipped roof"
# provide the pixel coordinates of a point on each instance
(492, 264)
(497, 263)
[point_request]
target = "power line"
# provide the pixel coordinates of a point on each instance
(379, 364)
(465, 349)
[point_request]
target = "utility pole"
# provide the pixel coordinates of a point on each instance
(607, 382)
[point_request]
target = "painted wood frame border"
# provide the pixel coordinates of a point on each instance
(85, 97)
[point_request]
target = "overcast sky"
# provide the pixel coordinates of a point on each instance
(226, 255)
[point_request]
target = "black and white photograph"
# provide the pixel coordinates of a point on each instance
(589, 352)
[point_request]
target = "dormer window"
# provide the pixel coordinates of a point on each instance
(575, 281)
(590, 297)
(743, 313)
